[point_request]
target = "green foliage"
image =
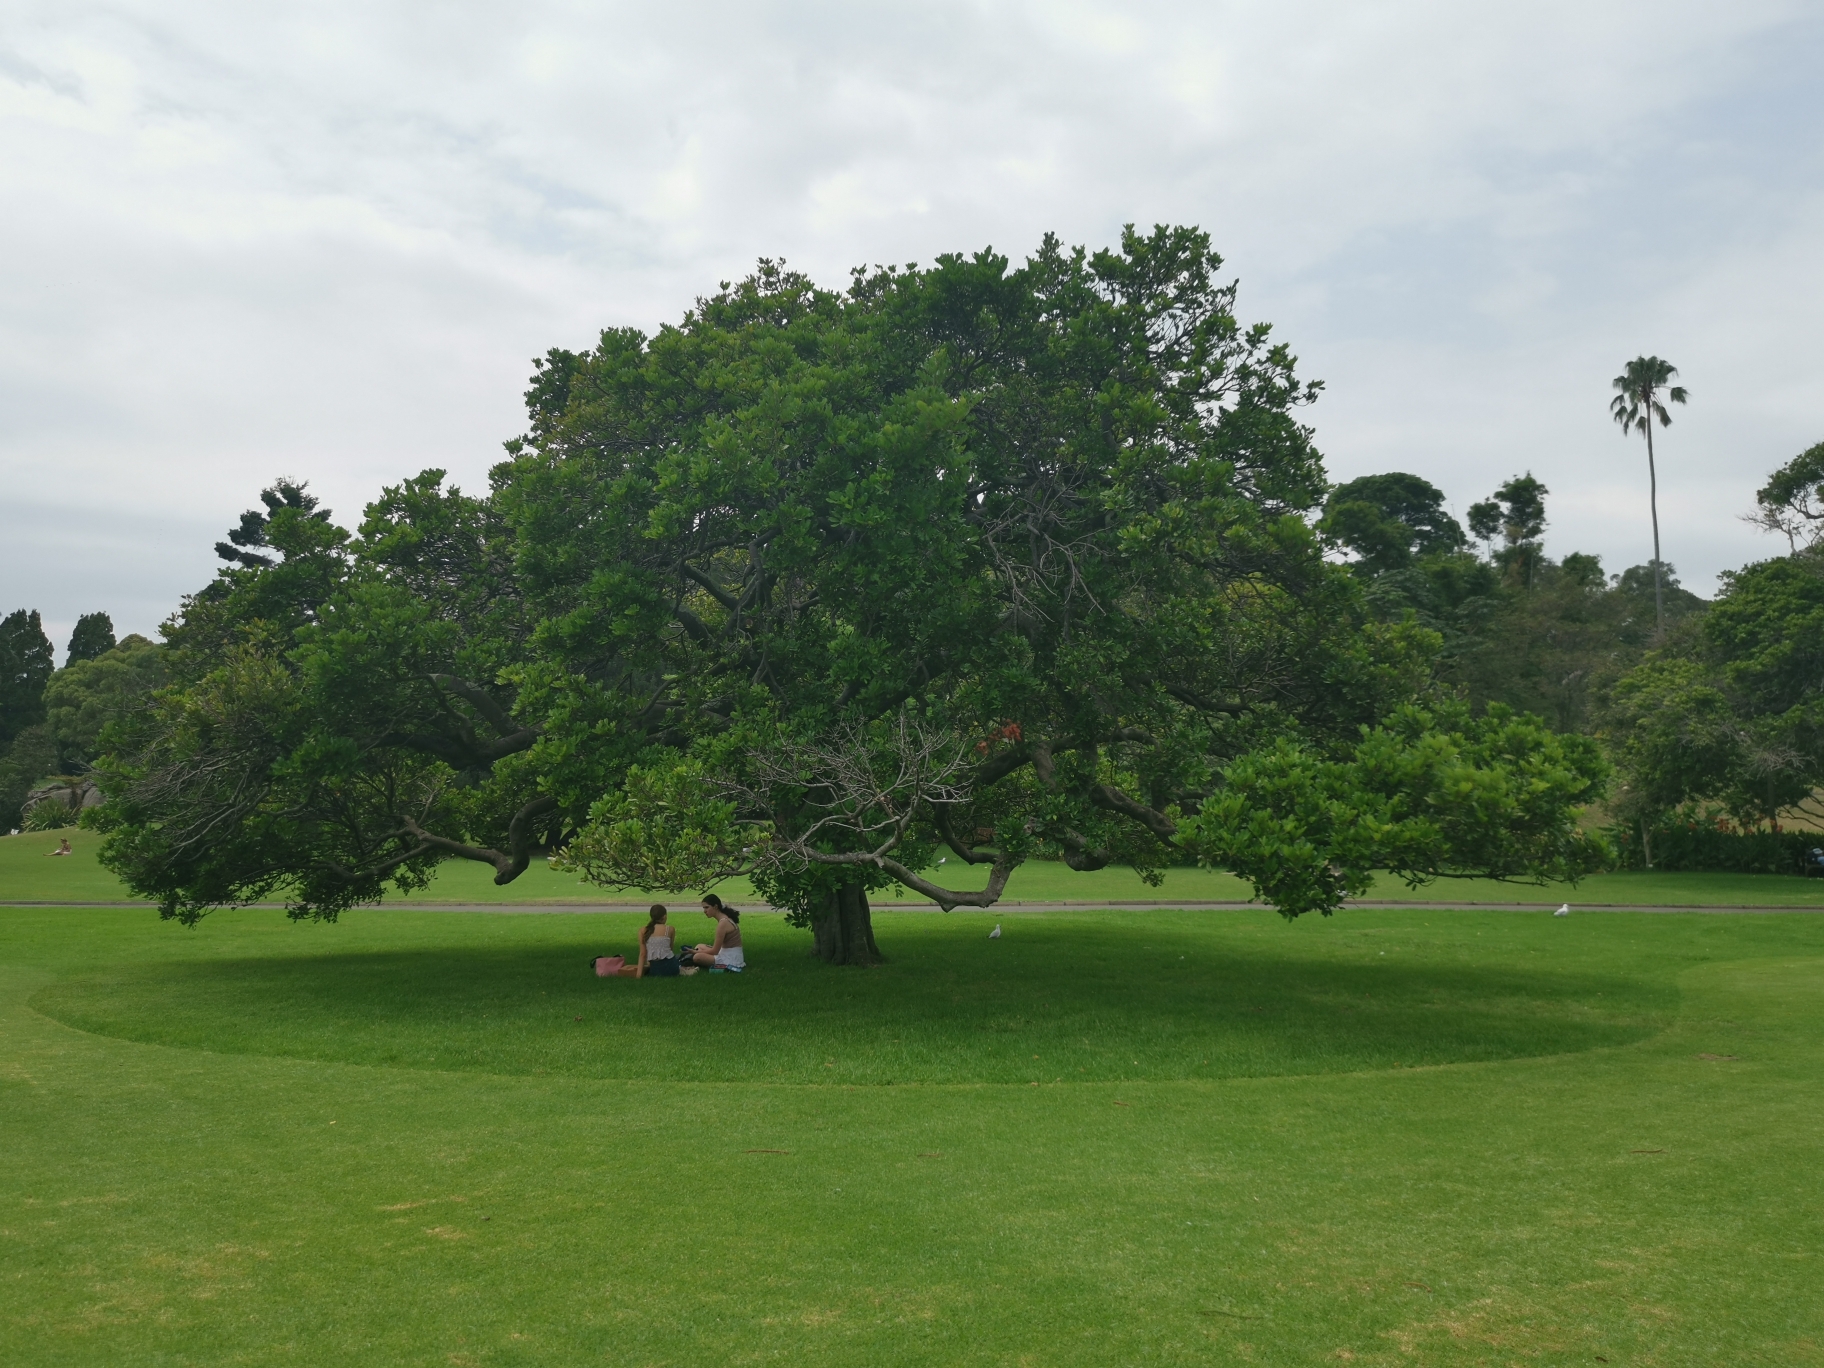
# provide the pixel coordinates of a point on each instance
(1555, 648)
(28, 750)
(1702, 840)
(1387, 520)
(83, 698)
(1427, 795)
(1522, 522)
(93, 636)
(1637, 403)
(51, 815)
(31, 757)
(284, 499)
(1792, 500)
(1733, 710)
(1518, 628)
(997, 560)
(26, 662)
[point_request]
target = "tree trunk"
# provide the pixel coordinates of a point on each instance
(1659, 602)
(843, 928)
(1646, 842)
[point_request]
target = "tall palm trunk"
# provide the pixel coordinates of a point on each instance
(1659, 602)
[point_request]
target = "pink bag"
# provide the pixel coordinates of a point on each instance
(608, 966)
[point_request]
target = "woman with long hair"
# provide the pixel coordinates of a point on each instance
(658, 941)
(724, 952)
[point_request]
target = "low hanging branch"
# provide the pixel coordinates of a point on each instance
(864, 789)
(508, 864)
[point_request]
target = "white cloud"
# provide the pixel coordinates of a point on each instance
(325, 239)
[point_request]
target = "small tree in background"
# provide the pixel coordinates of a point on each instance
(94, 636)
(84, 697)
(1389, 520)
(1635, 405)
(26, 662)
(1515, 513)
(1792, 500)
(26, 750)
(244, 542)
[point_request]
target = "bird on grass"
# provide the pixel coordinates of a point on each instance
(996, 933)
(1564, 911)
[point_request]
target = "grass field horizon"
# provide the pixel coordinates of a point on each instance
(1390, 1137)
(26, 874)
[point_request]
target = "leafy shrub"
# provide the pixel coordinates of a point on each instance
(1703, 841)
(50, 815)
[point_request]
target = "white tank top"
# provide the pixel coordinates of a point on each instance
(657, 946)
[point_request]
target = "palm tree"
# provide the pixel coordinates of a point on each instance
(1635, 405)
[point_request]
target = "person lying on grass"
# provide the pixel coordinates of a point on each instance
(724, 952)
(657, 957)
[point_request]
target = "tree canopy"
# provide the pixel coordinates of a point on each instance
(85, 696)
(1792, 501)
(93, 635)
(247, 543)
(1001, 561)
(26, 662)
(1732, 711)
(1389, 520)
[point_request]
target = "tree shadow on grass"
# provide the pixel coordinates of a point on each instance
(1070, 1002)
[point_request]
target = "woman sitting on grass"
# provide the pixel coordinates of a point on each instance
(657, 957)
(724, 952)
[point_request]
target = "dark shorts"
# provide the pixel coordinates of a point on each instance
(665, 968)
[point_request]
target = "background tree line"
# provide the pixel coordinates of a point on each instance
(984, 560)
(51, 720)
(1711, 712)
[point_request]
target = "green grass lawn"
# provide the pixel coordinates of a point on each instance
(27, 875)
(1392, 1137)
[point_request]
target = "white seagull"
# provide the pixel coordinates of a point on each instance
(1564, 911)
(996, 933)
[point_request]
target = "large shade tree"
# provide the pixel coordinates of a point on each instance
(980, 560)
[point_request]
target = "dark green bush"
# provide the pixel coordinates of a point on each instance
(1688, 841)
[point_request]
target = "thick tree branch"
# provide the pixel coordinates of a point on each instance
(374, 871)
(946, 898)
(512, 737)
(1205, 704)
(716, 591)
(940, 817)
(508, 864)
(1077, 852)
(1138, 735)
(477, 698)
(1112, 799)
(691, 623)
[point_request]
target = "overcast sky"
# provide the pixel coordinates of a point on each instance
(326, 239)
